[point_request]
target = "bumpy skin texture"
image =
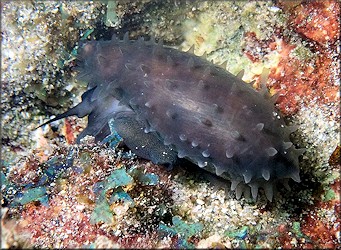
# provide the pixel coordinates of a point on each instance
(187, 106)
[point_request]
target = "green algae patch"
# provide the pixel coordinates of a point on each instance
(102, 212)
(121, 196)
(149, 179)
(33, 194)
(296, 228)
(329, 195)
(184, 229)
(181, 229)
(117, 179)
(238, 234)
(144, 178)
(4, 181)
(111, 19)
(113, 139)
(86, 34)
(111, 191)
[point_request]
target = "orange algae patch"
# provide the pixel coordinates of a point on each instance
(316, 20)
(319, 226)
(335, 157)
(69, 132)
(255, 49)
(305, 79)
(321, 231)
(57, 224)
(301, 82)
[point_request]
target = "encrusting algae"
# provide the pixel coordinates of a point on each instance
(53, 189)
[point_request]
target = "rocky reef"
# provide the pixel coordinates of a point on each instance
(59, 194)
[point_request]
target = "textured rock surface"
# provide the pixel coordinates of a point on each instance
(304, 69)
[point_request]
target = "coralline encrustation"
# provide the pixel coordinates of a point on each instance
(257, 35)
